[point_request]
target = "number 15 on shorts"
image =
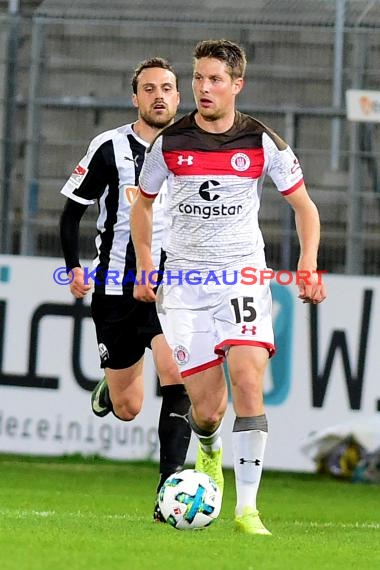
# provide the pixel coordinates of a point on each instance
(244, 312)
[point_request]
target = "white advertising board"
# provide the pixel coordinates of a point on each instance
(325, 370)
(363, 105)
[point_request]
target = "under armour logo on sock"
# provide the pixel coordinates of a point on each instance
(254, 461)
(174, 415)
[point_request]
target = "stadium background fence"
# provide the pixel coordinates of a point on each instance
(66, 69)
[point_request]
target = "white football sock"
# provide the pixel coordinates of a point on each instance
(211, 442)
(248, 452)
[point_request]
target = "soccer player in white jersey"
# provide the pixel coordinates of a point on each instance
(215, 160)
(108, 175)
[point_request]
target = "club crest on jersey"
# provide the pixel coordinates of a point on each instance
(185, 160)
(181, 355)
(240, 161)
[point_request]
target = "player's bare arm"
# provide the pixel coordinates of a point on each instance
(307, 221)
(141, 221)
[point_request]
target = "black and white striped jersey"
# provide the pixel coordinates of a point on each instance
(108, 175)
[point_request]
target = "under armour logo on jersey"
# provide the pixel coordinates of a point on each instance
(245, 330)
(188, 159)
(256, 462)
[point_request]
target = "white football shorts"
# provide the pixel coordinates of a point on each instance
(201, 321)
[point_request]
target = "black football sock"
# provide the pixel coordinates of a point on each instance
(173, 430)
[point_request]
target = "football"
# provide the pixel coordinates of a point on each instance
(190, 500)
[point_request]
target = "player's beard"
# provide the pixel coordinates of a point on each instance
(156, 122)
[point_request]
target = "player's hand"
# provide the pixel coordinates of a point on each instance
(78, 287)
(312, 290)
(143, 291)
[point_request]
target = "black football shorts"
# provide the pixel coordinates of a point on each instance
(124, 328)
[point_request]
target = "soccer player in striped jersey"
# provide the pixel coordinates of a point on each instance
(215, 160)
(108, 176)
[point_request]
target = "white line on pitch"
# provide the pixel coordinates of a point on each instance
(337, 524)
(44, 514)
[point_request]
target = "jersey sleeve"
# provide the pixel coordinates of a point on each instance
(154, 171)
(282, 165)
(89, 178)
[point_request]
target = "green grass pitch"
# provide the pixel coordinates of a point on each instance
(92, 514)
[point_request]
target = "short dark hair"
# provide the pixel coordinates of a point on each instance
(148, 64)
(230, 53)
